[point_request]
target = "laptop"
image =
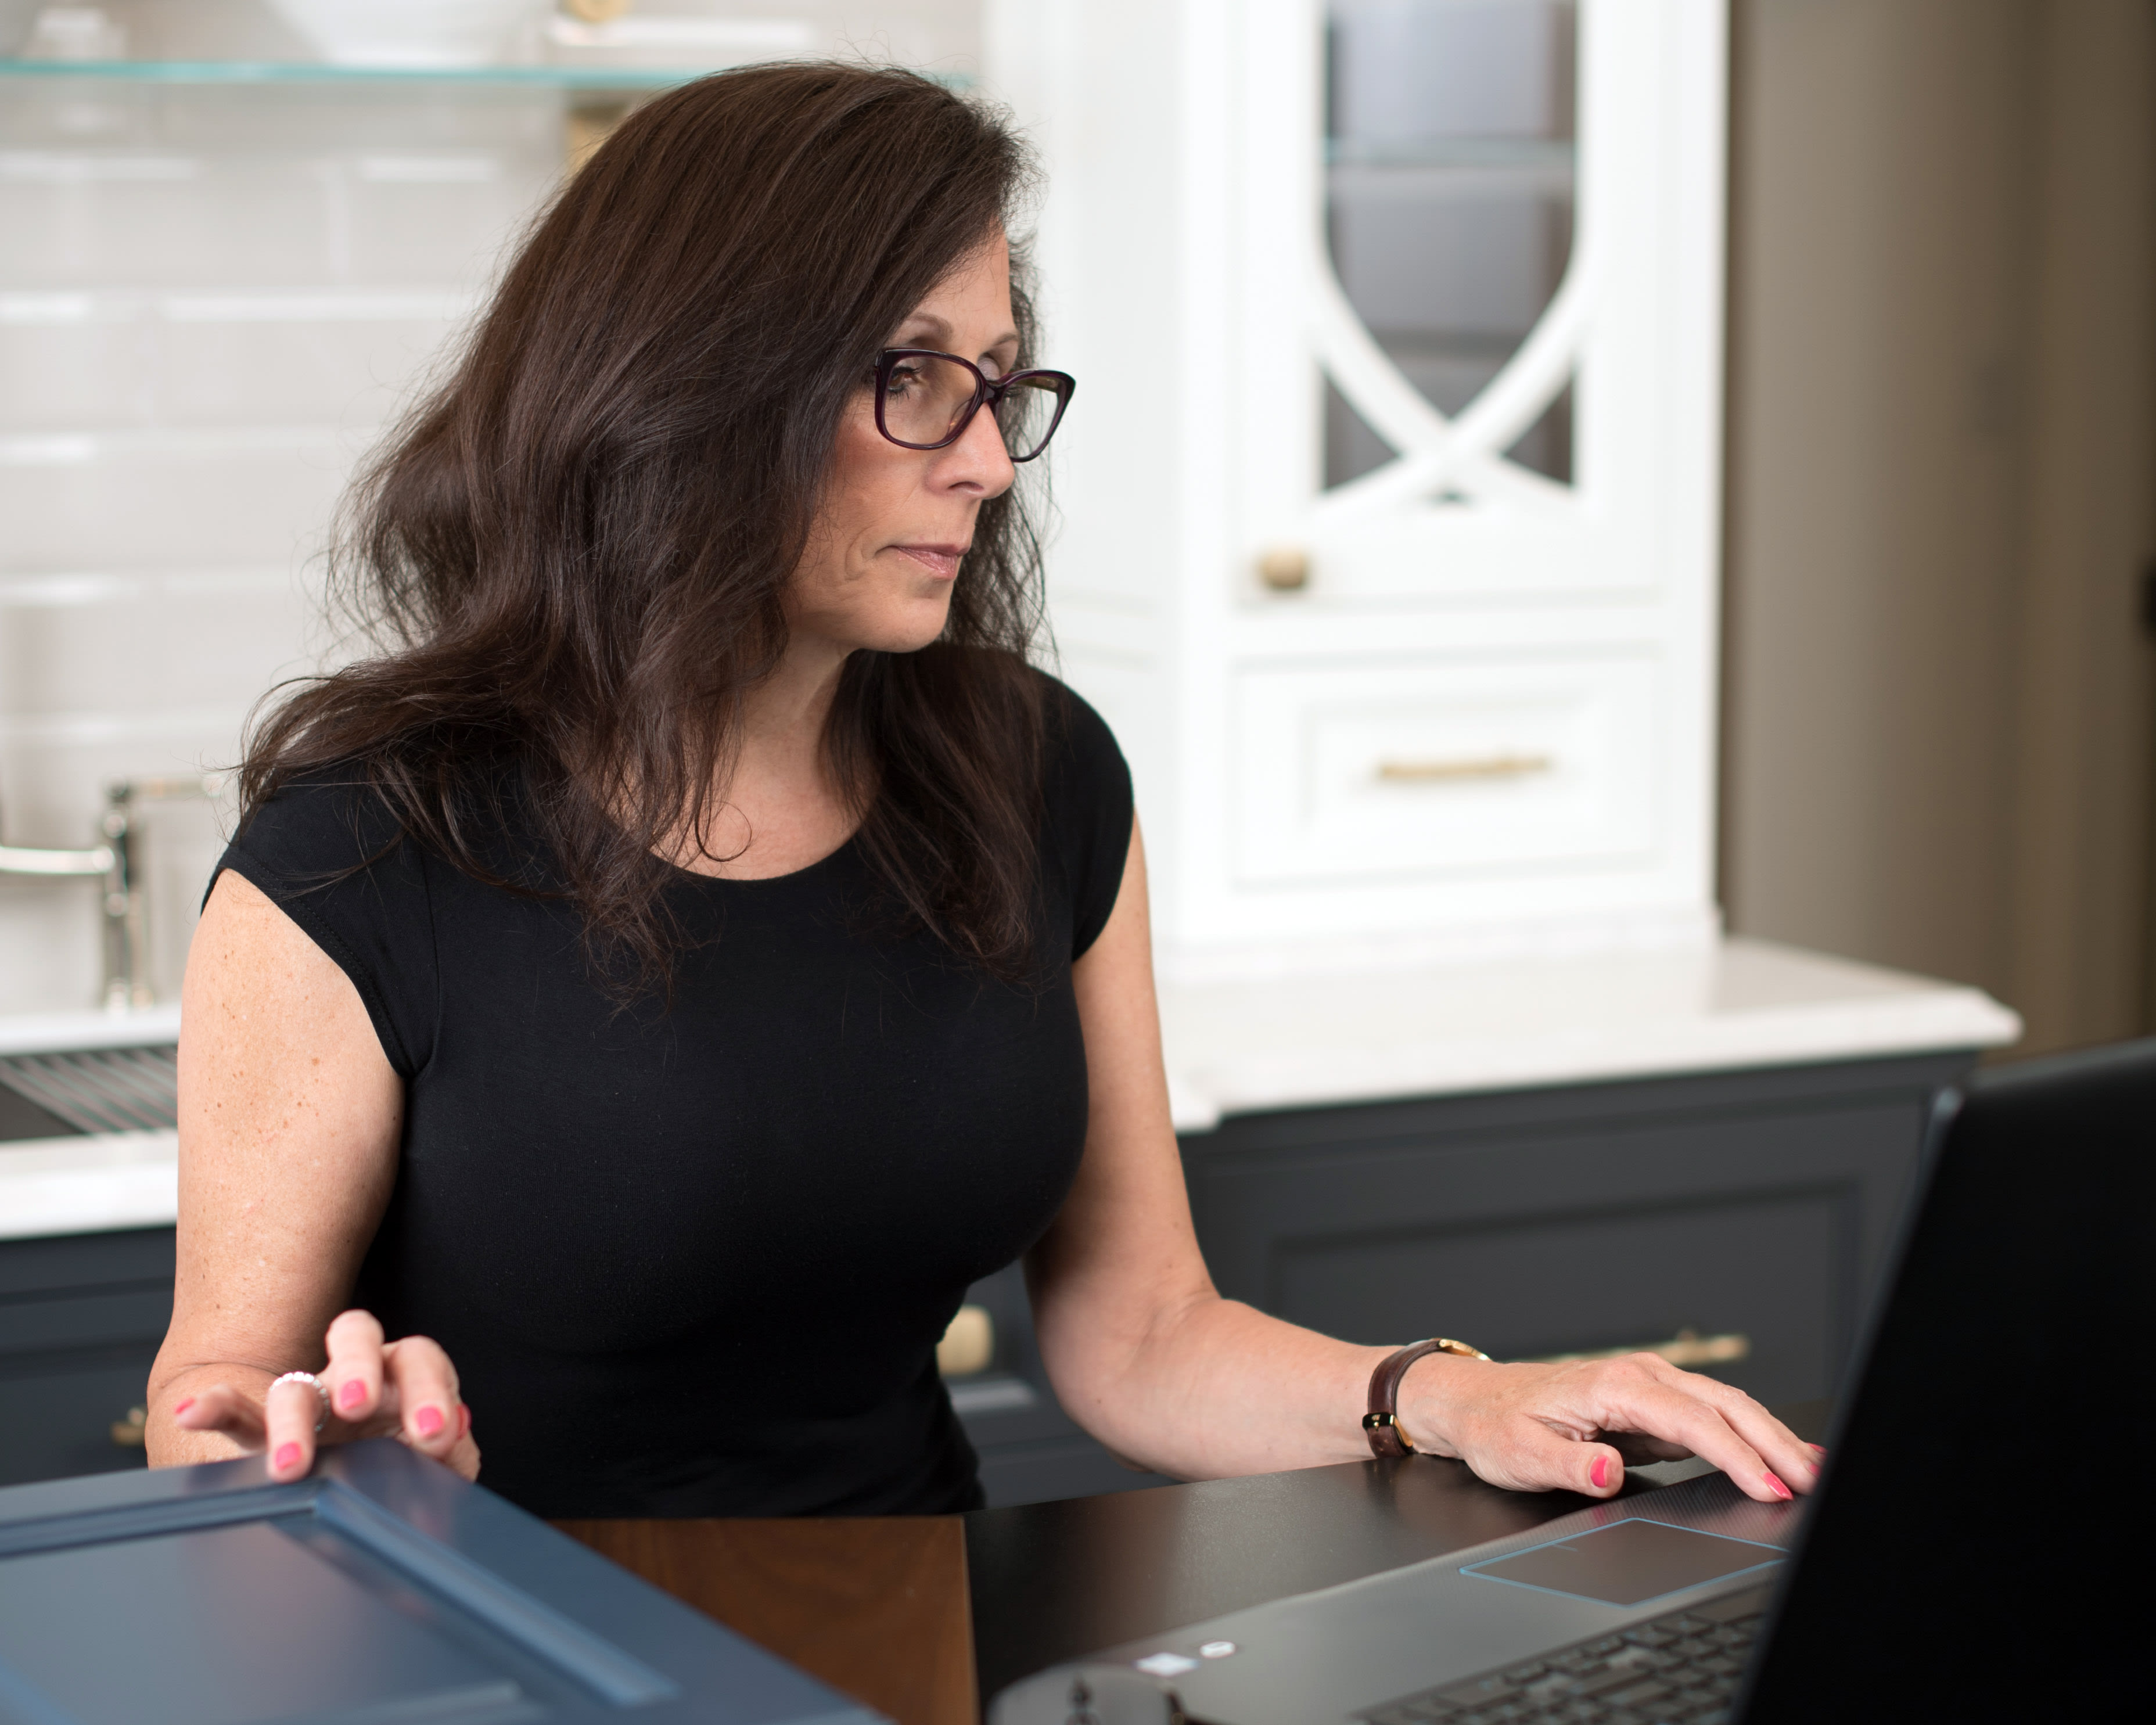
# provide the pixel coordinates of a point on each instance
(1975, 1550)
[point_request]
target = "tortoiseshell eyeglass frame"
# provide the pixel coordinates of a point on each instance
(989, 392)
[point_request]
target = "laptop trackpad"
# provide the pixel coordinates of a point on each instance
(1627, 1562)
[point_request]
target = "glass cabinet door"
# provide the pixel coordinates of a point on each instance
(1448, 189)
(1494, 226)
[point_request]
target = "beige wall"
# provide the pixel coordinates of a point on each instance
(1943, 451)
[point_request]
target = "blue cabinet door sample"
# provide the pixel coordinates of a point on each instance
(381, 1590)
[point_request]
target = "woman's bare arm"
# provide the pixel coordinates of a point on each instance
(290, 1116)
(1147, 1355)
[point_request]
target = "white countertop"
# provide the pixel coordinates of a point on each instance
(1240, 1047)
(54, 1032)
(1235, 1048)
(79, 1185)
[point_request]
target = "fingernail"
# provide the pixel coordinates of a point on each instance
(1818, 1449)
(181, 1406)
(351, 1393)
(1600, 1473)
(288, 1456)
(1776, 1486)
(428, 1420)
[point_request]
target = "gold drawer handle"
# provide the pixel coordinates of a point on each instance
(130, 1433)
(968, 1345)
(1463, 766)
(1687, 1348)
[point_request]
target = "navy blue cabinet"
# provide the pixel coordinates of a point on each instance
(1738, 1219)
(81, 1318)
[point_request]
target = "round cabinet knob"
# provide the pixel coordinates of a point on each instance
(1284, 568)
(969, 1345)
(595, 12)
(128, 1433)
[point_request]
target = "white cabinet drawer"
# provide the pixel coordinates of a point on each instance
(1393, 770)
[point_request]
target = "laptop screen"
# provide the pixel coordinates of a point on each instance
(1989, 1469)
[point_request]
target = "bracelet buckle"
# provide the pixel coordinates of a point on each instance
(1381, 1426)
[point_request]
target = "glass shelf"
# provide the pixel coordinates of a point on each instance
(232, 72)
(1539, 154)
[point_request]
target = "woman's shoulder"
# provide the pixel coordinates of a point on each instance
(326, 846)
(322, 824)
(1089, 808)
(1080, 746)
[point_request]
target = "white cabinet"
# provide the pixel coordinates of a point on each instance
(1388, 509)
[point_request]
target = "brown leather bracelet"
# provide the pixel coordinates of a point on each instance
(1382, 1424)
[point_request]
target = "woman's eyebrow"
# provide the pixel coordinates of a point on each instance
(927, 329)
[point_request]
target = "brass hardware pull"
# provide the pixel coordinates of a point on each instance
(1463, 766)
(1687, 1348)
(968, 1345)
(1284, 568)
(131, 1433)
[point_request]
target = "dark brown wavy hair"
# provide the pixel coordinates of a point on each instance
(570, 557)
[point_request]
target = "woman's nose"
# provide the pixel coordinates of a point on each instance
(978, 461)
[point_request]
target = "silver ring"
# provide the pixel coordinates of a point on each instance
(314, 1383)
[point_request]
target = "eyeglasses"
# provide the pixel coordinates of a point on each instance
(924, 400)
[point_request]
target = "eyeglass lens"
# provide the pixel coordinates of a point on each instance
(925, 397)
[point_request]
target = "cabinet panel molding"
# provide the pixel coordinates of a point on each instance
(1433, 769)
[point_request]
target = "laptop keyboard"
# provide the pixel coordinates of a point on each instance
(1682, 1669)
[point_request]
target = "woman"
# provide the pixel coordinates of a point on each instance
(700, 947)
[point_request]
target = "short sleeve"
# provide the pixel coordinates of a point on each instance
(328, 853)
(1090, 811)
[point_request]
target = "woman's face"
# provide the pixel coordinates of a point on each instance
(885, 550)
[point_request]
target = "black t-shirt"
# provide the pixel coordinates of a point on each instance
(695, 1261)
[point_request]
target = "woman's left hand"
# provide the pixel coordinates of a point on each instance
(1575, 1427)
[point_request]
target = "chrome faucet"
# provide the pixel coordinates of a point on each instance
(126, 925)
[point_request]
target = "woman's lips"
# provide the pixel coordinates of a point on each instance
(939, 560)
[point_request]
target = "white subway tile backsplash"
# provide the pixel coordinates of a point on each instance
(187, 222)
(67, 361)
(149, 651)
(342, 356)
(211, 301)
(268, 357)
(50, 935)
(117, 499)
(351, 370)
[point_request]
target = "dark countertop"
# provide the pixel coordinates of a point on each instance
(1050, 1581)
(905, 1612)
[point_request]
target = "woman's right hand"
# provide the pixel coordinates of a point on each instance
(406, 1390)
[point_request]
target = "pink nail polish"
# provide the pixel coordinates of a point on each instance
(1600, 1473)
(181, 1406)
(427, 1421)
(288, 1456)
(1776, 1486)
(352, 1394)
